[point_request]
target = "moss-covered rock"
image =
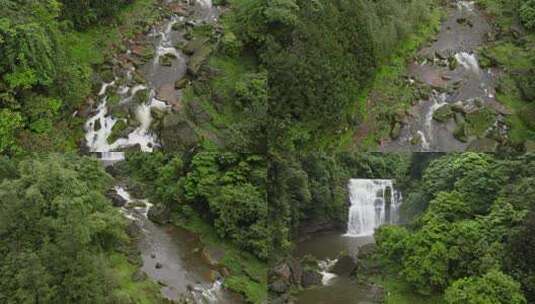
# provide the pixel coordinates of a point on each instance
(443, 114)
(396, 131)
(166, 59)
(459, 133)
(195, 45)
(483, 145)
(479, 121)
(197, 59)
(181, 83)
(416, 139)
(141, 96)
(118, 130)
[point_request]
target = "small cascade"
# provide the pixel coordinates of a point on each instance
(208, 295)
(466, 5)
(325, 266)
(99, 127)
(468, 61)
(374, 202)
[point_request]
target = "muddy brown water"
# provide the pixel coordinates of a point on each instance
(338, 289)
(172, 257)
(461, 34)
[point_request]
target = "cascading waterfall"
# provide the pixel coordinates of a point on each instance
(374, 202)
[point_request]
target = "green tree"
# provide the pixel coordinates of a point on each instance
(55, 224)
(492, 288)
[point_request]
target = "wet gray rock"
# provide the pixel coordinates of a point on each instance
(115, 198)
(310, 278)
(346, 265)
(279, 286)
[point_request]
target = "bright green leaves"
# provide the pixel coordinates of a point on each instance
(492, 288)
(10, 122)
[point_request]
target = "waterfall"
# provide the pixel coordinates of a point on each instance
(374, 202)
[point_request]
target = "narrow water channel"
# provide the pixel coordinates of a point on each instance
(450, 68)
(172, 258)
(139, 100)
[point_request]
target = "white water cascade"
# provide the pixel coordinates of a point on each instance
(374, 202)
(325, 266)
(468, 61)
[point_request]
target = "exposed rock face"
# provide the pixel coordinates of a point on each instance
(346, 265)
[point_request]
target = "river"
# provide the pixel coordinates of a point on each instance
(172, 257)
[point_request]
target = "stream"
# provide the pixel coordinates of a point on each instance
(172, 257)
(450, 68)
(374, 202)
(156, 93)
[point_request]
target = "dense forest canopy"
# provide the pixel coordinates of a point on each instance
(56, 229)
(465, 241)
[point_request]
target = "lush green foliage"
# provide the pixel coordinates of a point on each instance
(465, 234)
(228, 189)
(84, 13)
(55, 229)
(494, 287)
(527, 14)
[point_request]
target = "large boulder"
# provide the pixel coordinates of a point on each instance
(197, 59)
(483, 145)
(310, 278)
(279, 286)
(159, 214)
(116, 199)
(443, 114)
(177, 134)
(282, 271)
(345, 265)
(195, 45)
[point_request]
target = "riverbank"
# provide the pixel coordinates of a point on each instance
(243, 273)
(512, 52)
(388, 95)
(463, 90)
